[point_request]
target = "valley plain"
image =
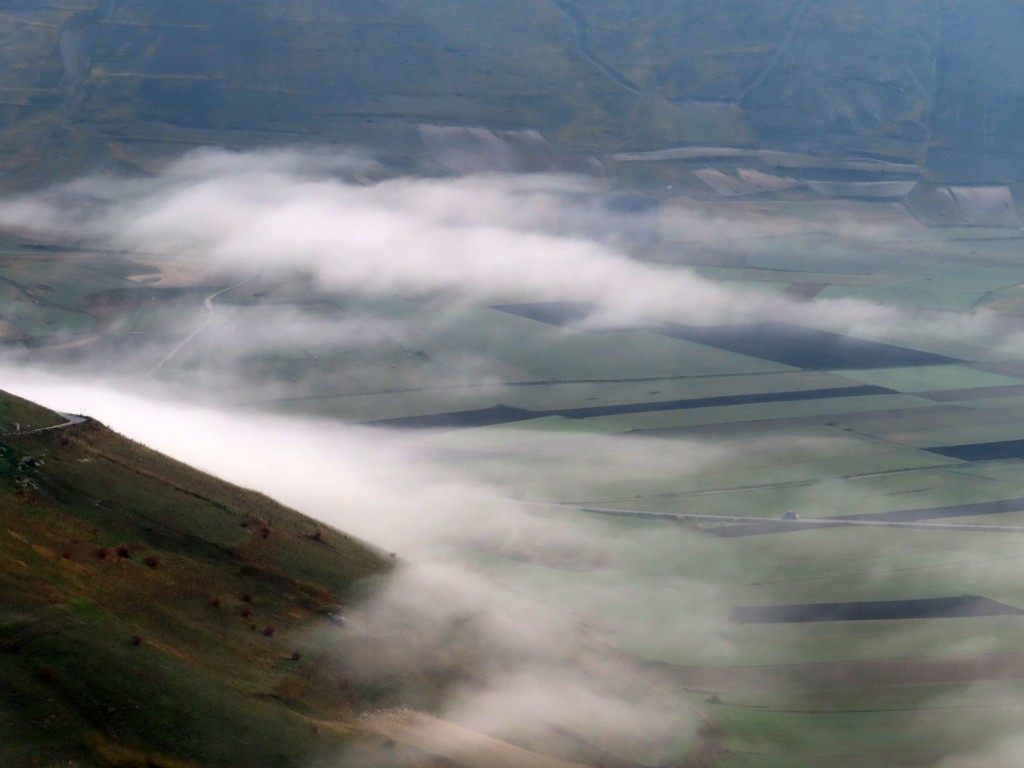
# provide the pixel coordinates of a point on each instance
(904, 648)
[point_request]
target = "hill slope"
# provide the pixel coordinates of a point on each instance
(116, 81)
(153, 615)
(18, 415)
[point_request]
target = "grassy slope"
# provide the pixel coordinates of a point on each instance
(17, 414)
(114, 660)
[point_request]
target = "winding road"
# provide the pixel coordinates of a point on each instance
(71, 420)
(208, 303)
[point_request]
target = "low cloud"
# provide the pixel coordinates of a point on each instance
(542, 668)
(542, 608)
(484, 238)
(478, 238)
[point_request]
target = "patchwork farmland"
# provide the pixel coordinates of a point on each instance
(793, 644)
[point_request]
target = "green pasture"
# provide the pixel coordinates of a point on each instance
(856, 564)
(167, 318)
(931, 378)
(465, 395)
(577, 460)
(943, 286)
(846, 740)
(931, 423)
(748, 275)
(563, 354)
(118, 266)
(40, 319)
(794, 219)
(809, 254)
(360, 407)
(721, 645)
(995, 406)
(556, 395)
(60, 283)
(769, 411)
(958, 425)
(925, 696)
(996, 471)
(925, 488)
(939, 297)
(973, 276)
(644, 389)
(977, 240)
(757, 285)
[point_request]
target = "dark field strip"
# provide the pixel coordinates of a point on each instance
(1004, 449)
(898, 516)
(483, 417)
(806, 291)
(861, 421)
(722, 400)
(561, 313)
(961, 607)
(794, 345)
(801, 347)
(504, 414)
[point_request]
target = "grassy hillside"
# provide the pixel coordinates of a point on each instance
(153, 615)
(18, 415)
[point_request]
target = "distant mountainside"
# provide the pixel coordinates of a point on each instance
(151, 615)
(119, 82)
